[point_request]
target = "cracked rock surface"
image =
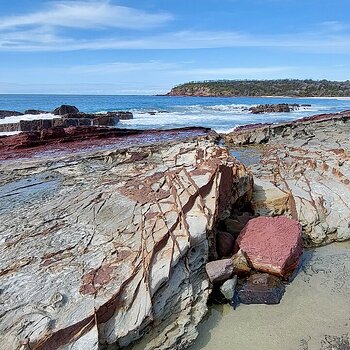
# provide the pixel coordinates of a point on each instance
(303, 170)
(99, 249)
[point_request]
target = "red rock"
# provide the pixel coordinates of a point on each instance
(219, 270)
(272, 244)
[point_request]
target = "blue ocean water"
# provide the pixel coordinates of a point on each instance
(220, 114)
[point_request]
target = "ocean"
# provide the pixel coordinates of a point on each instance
(164, 112)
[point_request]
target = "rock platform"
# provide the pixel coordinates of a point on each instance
(105, 242)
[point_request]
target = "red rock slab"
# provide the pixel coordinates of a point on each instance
(272, 244)
(83, 138)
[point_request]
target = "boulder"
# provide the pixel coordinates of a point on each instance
(240, 264)
(121, 115)
(35, 111)
(261, 288)
(234, 227)
(273, 108)
(65, 109)
(219, 270)
(5, 114)
(272, 244)
(225, 244)
(228, 288)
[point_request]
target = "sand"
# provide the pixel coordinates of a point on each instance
(314, 313)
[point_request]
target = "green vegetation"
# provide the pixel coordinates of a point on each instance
(285, 87)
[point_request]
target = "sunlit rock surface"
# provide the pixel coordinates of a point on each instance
(304, 172)
(99, 248)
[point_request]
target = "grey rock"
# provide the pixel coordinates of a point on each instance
(228, 288)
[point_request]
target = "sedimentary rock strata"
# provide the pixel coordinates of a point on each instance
(103, 247)
(303, 172)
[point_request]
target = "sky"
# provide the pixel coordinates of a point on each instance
(147, 47)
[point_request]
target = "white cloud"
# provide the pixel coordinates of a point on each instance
(86, 14)
(45, 39)
(41, 31)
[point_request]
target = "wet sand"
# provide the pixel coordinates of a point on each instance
(314, 313)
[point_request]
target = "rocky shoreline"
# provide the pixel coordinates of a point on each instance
(119, 238)
(65, 116)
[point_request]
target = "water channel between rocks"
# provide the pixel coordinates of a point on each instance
(314, 312)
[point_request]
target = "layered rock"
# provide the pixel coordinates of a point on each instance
(106, 246)
(304, 168)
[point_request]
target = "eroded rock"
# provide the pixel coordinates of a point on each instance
(104, 246)
(307, 160)
(273, 108)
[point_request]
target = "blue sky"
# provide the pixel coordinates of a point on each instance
(146, 47)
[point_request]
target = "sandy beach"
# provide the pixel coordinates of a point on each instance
(314, 313)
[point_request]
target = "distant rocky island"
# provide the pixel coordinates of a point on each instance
(284, 87)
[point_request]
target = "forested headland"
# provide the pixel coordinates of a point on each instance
(285, 87)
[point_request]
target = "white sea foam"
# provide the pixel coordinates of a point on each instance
(221, 118)
(16, 119)
(9, 133)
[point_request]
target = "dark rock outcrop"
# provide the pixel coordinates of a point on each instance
(261, 288)
(65, 109)
(4, 114)
(274, 108)
(225, 244)
(35, 111)
(122, 115)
